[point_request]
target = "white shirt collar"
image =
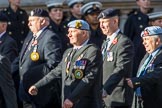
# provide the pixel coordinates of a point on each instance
(78, 47)
(39, 32)
(2, 34)
(112, 37)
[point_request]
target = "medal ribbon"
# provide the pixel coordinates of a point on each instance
(69, 59)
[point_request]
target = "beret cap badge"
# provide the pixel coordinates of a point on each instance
(103, 15)
(152, 31)
(78, 24)
(32, 13)
(146, 33)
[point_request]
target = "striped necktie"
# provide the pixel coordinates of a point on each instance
(104, 47)
(144, 66)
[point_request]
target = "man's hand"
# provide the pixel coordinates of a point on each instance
(67, 104)
(129, 82)
(33, 90)
(104, 93)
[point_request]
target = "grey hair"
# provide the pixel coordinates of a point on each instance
(158, 36)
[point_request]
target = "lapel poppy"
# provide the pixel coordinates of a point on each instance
(115, 41)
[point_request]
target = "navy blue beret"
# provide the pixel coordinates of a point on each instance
(3, 17)
(107, 13)
(39, 12)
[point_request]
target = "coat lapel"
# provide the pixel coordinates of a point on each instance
(2, 39)
(115, 41)
(24, 47)
(23, 57)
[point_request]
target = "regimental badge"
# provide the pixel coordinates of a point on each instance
(78, 24)
(34, 56)
(32, 13)
(78, 74)
(109, 56)
(146, 33)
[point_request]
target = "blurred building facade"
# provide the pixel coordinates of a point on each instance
(124, 5)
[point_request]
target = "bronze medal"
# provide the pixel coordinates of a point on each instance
(78, 74)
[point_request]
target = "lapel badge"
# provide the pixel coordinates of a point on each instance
(115, 41)
(78, 74)
(34, 56)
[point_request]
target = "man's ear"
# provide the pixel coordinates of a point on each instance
(43, 21)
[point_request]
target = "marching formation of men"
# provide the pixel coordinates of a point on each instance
(49, 59)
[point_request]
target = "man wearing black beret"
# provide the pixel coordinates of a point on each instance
(40, 53)
(117, 53)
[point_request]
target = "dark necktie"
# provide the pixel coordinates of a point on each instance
(72, 54)
(69, 59)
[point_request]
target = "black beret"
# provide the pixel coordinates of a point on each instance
(3, 17)
(107, 13)
(39, 12)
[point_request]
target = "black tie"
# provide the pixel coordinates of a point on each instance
(69, 59)
(72, 53)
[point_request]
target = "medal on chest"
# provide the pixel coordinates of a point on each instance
(78, 74)
(34, 55)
